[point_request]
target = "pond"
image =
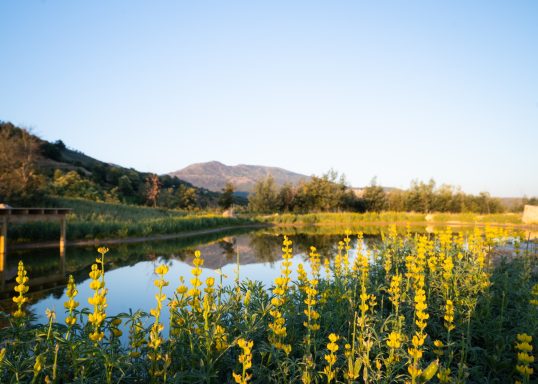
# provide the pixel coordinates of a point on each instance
(130, 266)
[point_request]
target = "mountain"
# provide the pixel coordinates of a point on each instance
(214, 175)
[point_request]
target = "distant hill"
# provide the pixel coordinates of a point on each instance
(62, 171)
(214, 175)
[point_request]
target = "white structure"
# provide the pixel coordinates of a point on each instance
(530, 214)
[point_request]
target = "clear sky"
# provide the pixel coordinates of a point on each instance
(400, 90)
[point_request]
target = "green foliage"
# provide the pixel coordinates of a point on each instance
(425, 197)
(330, 193)
(264, 196)
(71, 184)
(326, 193)
(374, 197)
(226, 199)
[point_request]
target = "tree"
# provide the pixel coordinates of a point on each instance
(264, 196)
(20, 182)
(326, 193)
(396, 200)
(375, 197)
(125, 187)
(189, 198)
(226, 199)
(153, 187)
(285, 198)
(52, 150)
(71, 184)
(420, 196)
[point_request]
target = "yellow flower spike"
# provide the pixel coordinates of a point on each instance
(315, 262)
(98, 300)
(524, 356)
(330, 357)
(21, 288)
(245, 359)
(155, 338)
(38, 365)
(246, 300)
(221, 339)
(524, 346)
(394, 340)
(102, 250)
(524, 338)
(277, 327)
(161, 269)
(70, 320)
(333, 337)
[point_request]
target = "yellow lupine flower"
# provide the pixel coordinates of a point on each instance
(394, 340)
(245, 358)
(21, 288)
(330, 358)
(524, 356)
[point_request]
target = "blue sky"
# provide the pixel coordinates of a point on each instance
(400, 90)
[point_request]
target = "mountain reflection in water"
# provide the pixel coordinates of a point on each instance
(130, 266)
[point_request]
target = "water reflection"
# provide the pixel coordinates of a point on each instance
(130, 266)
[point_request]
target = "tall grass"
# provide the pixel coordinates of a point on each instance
(351, 219)
(87, 210)
(92, 220)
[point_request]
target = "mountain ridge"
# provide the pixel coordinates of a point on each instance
(213, 175)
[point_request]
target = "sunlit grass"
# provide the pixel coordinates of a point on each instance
(91, 220)
(349, 219)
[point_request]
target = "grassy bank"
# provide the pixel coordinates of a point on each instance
(414, 309)
(92, 220)
(349, 219)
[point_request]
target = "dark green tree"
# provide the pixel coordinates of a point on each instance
(285, 198)
(264, 196)
(374, 196)
(226, 199)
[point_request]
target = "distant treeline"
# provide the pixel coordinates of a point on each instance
(329, 193)
(36, 172)
(33, 170)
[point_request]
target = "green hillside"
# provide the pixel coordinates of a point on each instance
(35, 171)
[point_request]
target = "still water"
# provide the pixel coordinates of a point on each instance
(130, 267)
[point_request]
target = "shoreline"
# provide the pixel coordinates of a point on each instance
(138, 239)
(267, 224)
(411, 223)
